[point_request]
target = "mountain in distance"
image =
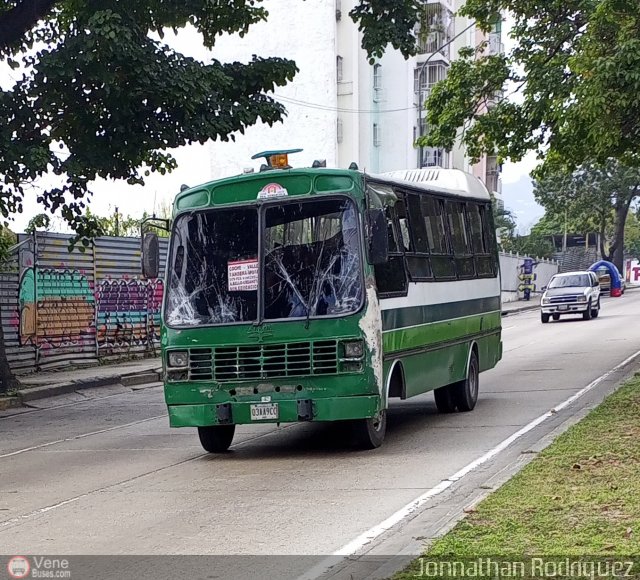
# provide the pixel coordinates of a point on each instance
(518, 197)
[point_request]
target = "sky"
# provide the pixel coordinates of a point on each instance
(194, 167)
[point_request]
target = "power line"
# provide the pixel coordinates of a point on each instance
(330, 108)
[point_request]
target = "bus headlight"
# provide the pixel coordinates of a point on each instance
(178, 358)
(353, 349)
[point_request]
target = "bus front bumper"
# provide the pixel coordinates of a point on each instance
(285, 411)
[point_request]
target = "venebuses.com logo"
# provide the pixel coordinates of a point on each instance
(18, 567)
(38, 567)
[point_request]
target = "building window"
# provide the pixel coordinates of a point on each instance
(425, 78)
(377, 135)
(438, 31)
(339, 131)
(377, 82)
(434, 157)
(339, 61)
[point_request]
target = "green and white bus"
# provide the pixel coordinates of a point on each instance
(319, 294)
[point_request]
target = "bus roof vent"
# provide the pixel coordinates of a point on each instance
(444, 179)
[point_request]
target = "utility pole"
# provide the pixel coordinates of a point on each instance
(117, 223)
(420, 73)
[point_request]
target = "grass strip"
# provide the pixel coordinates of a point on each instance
(579, 497)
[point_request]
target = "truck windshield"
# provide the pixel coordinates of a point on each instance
(311, 263)
(573, 281)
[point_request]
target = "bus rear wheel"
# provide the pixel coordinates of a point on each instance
(216, 439)
(369, 433)
(444, 399)
(465, 393)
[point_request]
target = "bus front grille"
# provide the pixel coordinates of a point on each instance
(263, 361)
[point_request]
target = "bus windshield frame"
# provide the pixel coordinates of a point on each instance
(328, 275)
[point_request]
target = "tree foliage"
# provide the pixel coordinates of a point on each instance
(102, 97)
(119, 225)
(576, 68)
(592, 198)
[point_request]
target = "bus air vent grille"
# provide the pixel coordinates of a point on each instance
(264, 361)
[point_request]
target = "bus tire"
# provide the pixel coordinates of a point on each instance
(444, 399)
(369, 433)
(465, 393)
(217, 438)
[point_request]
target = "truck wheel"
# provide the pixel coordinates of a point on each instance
(556, 317)
(444, 399)
(369, 433)
(596, 311)
(544, 317)
(465, 393)
(216, 439)
(586, 315)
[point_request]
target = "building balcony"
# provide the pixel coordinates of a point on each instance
(495, 46)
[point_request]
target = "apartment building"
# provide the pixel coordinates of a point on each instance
(341, 107)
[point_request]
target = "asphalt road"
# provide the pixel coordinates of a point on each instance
(106, 475)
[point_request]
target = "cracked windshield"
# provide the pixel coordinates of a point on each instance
(311, 265)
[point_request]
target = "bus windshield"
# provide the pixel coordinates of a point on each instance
(311, 263)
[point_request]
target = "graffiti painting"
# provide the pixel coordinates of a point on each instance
(128, 313)
(56, 309)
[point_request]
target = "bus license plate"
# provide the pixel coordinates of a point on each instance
(264, 412)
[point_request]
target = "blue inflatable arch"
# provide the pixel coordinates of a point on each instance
(616, 282)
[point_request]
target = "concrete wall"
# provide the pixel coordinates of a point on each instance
(510, 270)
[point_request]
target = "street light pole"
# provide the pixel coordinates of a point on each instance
(420, 72)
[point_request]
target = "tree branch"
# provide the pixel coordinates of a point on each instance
(15, 23)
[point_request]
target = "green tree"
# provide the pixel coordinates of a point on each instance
(101, 97)
(38, 222)
(534, 245)
(592, 198)
(575, 66)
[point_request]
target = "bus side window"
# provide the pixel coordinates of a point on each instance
(418, 263)
(435, 222)
(460, 240)
(391, 278)
(480, 240)
(393, 242)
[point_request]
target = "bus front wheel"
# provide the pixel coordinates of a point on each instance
(216, 439)
(369, 433)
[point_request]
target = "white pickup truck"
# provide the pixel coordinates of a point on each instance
(571, 293)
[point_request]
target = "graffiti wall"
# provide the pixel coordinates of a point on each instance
(79, 307)
(128, 314)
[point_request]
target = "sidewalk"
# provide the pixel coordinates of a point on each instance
(49, 384)
(521, 305)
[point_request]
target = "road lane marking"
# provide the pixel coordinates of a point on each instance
(356, 545)
(44, 510)
(81, 436)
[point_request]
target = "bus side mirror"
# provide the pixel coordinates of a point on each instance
(377, 237)
(150, 255)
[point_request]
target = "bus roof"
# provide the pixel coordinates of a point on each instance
(448, 181)
(444, 181)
